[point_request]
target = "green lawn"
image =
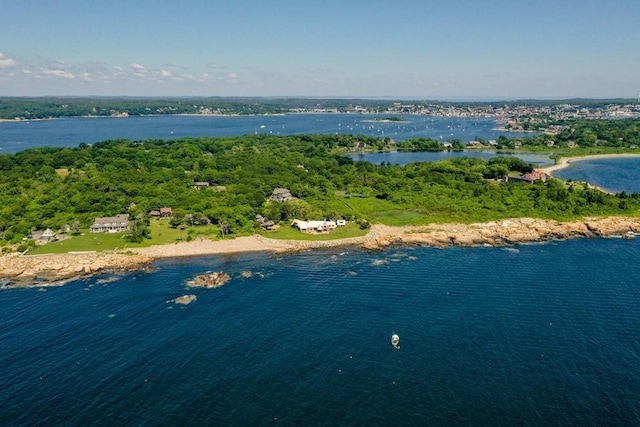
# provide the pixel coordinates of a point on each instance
(286, 232)
(86, 241)
(161, 233)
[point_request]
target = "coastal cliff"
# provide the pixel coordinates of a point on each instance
(23, 270)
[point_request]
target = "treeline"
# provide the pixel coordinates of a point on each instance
(54, 107)
(53, 187)
(577, 133)
(614, 133)
(49, 107)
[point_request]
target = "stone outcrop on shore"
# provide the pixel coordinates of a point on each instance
(17, 270)
(506, 232)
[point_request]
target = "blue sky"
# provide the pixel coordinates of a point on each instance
(408, 49)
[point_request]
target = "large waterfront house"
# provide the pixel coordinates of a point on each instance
(111, 224)
(530, 177)
(281, 195)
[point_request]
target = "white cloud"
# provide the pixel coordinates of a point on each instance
(165, 73)
(6, 62)
(57, 73)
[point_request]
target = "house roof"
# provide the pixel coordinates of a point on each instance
(122, 219)
(280, 190)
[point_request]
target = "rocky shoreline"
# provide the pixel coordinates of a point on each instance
(50, 270)
(47, 270)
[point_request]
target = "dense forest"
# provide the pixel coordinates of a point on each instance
(58, 187)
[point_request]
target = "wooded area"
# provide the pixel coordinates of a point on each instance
(53, 187)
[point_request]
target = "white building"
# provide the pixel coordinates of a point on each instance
(318, 226)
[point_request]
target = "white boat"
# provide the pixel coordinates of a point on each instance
(395, 340)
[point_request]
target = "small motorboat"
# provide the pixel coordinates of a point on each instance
(395, 340)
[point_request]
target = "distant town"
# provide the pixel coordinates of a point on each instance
(525, 115)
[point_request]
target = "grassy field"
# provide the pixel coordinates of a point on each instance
(161, 234)
(86, 241)
(286, 232)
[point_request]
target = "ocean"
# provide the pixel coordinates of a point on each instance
(541, 334)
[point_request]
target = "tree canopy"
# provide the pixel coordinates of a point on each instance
(53, 187)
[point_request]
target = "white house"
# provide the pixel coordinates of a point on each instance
(318, 226)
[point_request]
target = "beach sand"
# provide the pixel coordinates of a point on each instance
(566, 161)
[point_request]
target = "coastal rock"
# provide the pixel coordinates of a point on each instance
(18, 270)
(39, 270)
(184, 299)
(515, 231)
(209, 280)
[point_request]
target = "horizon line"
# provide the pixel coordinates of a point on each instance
(339, 97)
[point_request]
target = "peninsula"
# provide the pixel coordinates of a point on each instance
(119, 205)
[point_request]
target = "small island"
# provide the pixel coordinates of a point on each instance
(386, 120)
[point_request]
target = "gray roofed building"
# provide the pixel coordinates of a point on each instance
(111, 224)
(281, 195)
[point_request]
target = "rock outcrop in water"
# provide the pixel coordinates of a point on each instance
(209, 280)
(184, 299)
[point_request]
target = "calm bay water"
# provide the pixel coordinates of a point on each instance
(615, 175)
(489, 336)
(536, 335)
(16, 136)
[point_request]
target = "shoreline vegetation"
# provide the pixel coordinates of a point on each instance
(57, 269)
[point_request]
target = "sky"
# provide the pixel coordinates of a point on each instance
(419, 49)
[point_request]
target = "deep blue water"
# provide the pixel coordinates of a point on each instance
(542, 334)
(17, 136)
(533, 335)
(615, 175)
